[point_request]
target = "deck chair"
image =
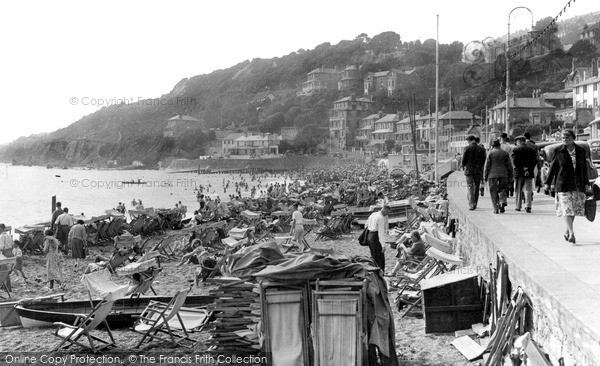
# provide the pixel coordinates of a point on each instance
(99, 285)
(437, 243)
(142, 275)
(285, 314)
(71, 334)
(6, 266)
(410, 294)
(340, 323)
(160, 317)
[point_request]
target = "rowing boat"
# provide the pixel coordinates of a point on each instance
(124, 312)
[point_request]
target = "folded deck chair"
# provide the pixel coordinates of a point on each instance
(339, 321)
(285, 313)
(156, 318)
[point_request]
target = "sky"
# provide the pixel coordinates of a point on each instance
(62, 60)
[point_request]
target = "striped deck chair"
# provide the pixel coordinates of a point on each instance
(339, 321)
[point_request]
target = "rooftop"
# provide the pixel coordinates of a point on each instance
(349, 99)
(184, 118)
(530, 103)
(388, 118)
(457, 115)
(595, 79)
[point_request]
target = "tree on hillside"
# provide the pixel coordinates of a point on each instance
(584, 51)
(307, 137)
(385, 42)
(272, 123)
(549, 39)
(363, 38)
(451, 53)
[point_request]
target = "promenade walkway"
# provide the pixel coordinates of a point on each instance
(562, 279)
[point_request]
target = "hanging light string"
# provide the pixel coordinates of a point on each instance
(511, 55)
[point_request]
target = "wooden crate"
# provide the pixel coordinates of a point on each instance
(451, 301)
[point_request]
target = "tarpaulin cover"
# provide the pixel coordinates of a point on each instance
(252, 259)
(100, 285)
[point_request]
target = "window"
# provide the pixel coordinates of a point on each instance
(595, 86)
(585, 88)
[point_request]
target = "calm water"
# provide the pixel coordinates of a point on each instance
(26, 192)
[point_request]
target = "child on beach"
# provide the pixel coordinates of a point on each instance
(18, 253)
(53, 265)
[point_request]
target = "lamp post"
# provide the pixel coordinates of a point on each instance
(507, 123)
(483, 128)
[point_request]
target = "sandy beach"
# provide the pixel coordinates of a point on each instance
(413, 346)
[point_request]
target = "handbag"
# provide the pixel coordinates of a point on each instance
(590, 209)
(362, 239)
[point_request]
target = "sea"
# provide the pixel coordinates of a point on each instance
(26, 192)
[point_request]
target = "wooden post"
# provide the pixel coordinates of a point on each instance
(53, 204)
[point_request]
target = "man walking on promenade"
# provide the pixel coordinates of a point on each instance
(508, 147)
(472, 163)
(377, 234)
(498, 172)
(524, 161)
(538, 176)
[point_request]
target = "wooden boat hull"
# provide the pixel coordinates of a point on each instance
(44, 314)
(399, 211)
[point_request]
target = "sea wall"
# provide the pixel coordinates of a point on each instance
(564, 310)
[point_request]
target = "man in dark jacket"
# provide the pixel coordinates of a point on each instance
(498, 173)
(529, 142)
(525, 161)
(472, 162)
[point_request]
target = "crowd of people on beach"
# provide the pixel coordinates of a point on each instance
(352, 184)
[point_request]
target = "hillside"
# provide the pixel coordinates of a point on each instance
(227, 98)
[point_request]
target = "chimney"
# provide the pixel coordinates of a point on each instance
(515, 102)
(181, 116)
(353, 97)
(380, 114)
(543, 100)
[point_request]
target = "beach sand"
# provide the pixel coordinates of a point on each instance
(413, 346)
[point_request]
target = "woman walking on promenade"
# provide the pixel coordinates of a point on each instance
(53, 265)
(498, 173)
(568, 173)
